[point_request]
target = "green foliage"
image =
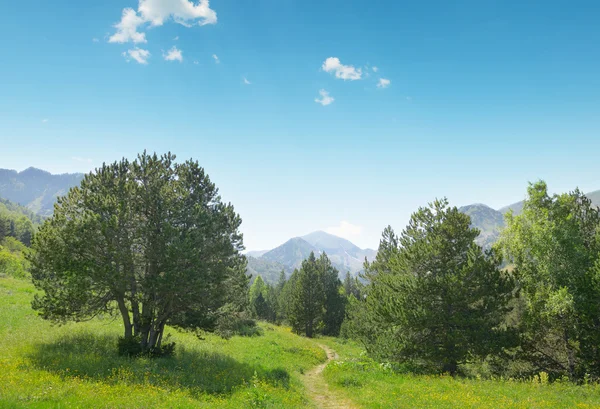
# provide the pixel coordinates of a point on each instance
(237, 324)
(12, 258)
(335, 301)
(17, 222)
(315, 301)
(554, 245)
(307, 298)
(149, 240)
(434, 299)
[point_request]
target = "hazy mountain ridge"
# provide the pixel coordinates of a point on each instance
(344, 255)
(490, 222)
(36, 189)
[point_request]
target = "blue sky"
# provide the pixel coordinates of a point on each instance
(482, 97)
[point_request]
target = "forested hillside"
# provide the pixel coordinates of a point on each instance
(36, 189)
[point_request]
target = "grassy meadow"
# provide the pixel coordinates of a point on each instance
(373, 385)
(76, 365)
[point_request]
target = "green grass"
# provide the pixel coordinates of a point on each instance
(76, 365)
(372, 385)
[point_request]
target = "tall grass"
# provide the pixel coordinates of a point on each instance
(77, 365)
(374, 385)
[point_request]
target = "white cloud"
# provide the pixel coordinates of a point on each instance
(80, 159)
(375, 69)
(176, 38)
(383, 83)
(196, 63)
(127, 28)
(216, 58)
(174, 54)
(246, 81)
(138, 54)
(45, 120)
(156, 13)
(345, 72)
(183, 12)
(325, 98)
(346, 230)
(95, 40)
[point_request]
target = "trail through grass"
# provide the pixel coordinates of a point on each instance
(318, 390)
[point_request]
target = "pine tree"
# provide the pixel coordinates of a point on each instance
(434, 298)
(335, 303)
(307, 298)
(151, 237)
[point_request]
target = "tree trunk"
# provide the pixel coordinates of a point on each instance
(160, 335)
(570, 356)
(125, 315)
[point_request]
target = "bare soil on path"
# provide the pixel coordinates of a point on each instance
(317, 389)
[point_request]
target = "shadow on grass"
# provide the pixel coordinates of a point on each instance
(94, 357)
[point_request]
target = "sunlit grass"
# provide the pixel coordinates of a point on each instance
(76, 365)
(374, 385)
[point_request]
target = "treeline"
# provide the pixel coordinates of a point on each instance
(434, 301)
(17, 227)
(312, 301)
(17, 222)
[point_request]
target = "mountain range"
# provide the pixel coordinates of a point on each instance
(36, 189)
(344, 255)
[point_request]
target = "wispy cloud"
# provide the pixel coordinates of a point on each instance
(325, 99)
(45, 120)
(196, 63)
(127, 28)
(95, 40)
(174, 54)
(345, 229)
(246, 81)
(82, 160)
(138, 54)
(383, 83)
(345, 72)
(176, 38)
(375, 69)
(216, 58)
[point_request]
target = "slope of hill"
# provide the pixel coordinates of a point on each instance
(291, 253)
(594, 197)
(487, 220)
(36, 189)
(344, 255)
(268, 270)
(14, 211)
(517, 208)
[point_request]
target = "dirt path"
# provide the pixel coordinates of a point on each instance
(317, 389)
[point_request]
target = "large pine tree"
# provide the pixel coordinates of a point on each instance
(151, 238)
(434, 298)
(307, 298)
